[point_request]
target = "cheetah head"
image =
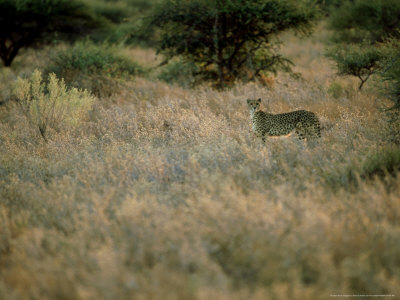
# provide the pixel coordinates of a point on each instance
(253, 105)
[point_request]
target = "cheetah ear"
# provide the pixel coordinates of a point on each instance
(259, 100)
(248, 100)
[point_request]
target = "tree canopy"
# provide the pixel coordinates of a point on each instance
(25, 23)
(229, 39)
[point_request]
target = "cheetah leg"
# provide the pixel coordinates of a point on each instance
(300, 135)
(319, 130)
(300, 131)
(315, 131)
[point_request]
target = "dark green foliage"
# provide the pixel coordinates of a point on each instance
(125, 17)
(366, 21)
(382, 163)
(121, 11)
(24, 23)
(89, 58)
(115, 11)
(392, 88)
(179, 72)
(358, 60)
(394, 124)
(94, 67)
(229, 39)
(391, 73)
(327, 6)
(336, 90)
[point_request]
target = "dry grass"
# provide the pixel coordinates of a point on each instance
(165, 194)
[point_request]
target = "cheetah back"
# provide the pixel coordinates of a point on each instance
(305, 123)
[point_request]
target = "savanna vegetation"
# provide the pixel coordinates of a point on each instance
(124, 176)
(363, 35)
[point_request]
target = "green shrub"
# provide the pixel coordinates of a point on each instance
(92, 59)
(391, 71)
(94, 67)
(51, 105)
(392, 89)
(379, 164)
(384, 162)
(335, 90)
(394, 125)
(361, 61)
(181, 73)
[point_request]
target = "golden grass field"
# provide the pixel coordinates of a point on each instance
(165, 193)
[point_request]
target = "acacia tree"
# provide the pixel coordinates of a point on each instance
(26, 23)
(361, 61)
(229, 39)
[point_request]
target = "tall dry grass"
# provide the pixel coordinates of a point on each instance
(165, 193)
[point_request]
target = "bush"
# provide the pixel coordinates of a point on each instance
(394, 125)
(179, 72)
(94, 67)
(358, 60)
(335, 90)
(379, 164)
(328, 6)
(385, 162)
(52, 105)
(391, 73)
(229, 40)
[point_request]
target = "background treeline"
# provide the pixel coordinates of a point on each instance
(218, 41)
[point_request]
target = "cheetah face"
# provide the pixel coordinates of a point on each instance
(253, 105)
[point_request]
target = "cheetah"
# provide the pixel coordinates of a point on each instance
(304, 123)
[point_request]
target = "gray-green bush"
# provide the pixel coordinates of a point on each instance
(51, 105)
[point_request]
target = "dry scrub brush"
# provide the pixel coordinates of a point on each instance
(165, 193)
(51, 105)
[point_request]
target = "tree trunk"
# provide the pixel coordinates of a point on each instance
(7, 61)
(218, 47)
(363, 80)
(7, 54)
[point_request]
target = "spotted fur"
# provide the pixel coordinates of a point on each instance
(304, 123)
